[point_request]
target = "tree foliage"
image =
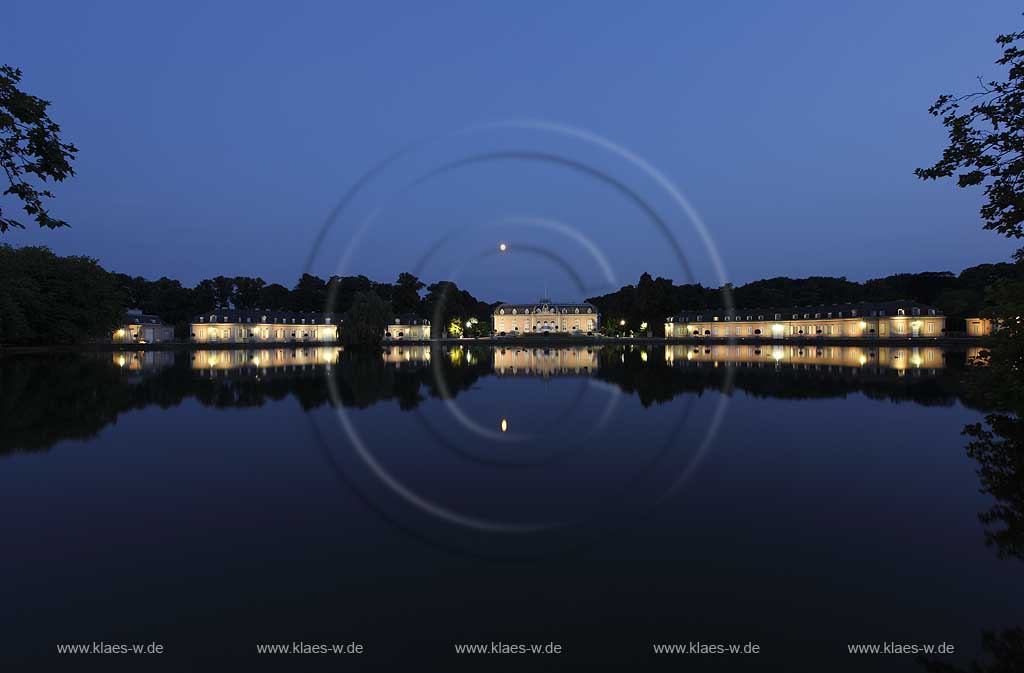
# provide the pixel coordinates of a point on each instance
(47, 299)
(31, 149)
(986, 141)
(366, 320)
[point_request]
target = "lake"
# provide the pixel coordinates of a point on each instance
(605, 499)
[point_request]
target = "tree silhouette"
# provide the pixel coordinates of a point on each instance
(30, 147)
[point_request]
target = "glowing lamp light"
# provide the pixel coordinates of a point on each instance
(504, 425)
(863, 360)
(502, 247)
(120, 361)
(862, 324)
(643, 355)
(255, 362)
(622, 323)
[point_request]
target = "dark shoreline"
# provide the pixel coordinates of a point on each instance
(504, 341)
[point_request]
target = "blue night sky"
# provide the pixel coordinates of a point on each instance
(215, 139)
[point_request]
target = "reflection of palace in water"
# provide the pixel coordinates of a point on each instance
(900, 359)
(137, 361)
(545, 361)
(264, 359)
(406, 356)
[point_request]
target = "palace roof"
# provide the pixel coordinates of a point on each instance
(810, 312)
(257, 315)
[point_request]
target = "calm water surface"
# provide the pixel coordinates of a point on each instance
(602, 498)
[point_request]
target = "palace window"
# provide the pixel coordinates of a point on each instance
(817, 315)
(931, 311)
(900, 311)
(915, 311)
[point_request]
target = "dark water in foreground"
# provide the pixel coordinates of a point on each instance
(604, 499)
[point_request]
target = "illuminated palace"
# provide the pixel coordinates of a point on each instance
(262, 326)
(546, 316)
(407, 327)
(141, 328)
(866, 319)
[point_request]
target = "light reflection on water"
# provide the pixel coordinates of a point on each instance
(133, 467)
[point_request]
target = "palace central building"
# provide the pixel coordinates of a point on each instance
(263, 326)
(546, 316)
(865, 319)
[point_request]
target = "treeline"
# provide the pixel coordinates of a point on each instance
(651, 300)
(49, 299)
(177, 304)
